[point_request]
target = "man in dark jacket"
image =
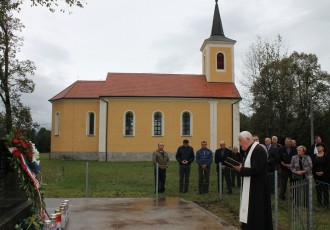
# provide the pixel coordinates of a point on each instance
(184, 156)
(313, 149)
(220, 156)
(285, 155)
(272, 160)
(272, 153)
(237, 156)
(204, 158)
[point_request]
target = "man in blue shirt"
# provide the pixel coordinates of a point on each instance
(204, 158)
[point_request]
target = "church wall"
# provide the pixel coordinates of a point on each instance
(73, 120)
(225, 123)
(144, 141)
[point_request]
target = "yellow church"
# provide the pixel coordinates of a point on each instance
(109, 121)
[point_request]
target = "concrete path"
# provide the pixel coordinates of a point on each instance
(137, 213)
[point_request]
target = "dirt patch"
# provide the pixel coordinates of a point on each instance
(223, 211)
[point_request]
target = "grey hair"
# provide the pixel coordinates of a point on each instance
(245, 135)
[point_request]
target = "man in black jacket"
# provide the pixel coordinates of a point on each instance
(285, 155)
(272, 161)
(184, 156)
(313, 150)
(220, 156)
(237, 156)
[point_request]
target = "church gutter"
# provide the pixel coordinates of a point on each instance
(233, 124)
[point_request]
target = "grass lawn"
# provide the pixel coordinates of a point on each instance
(67, 179)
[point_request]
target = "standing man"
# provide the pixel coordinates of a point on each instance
(272, 160)
(256, 139)
(313, 148)
(293, 143)
(161, 157)
(220, 156)
(275, 142)
(237, 156)
(285, 155)
(204, 158)
(272, 153)
(184, 156)
(255, 207)
(277, 146)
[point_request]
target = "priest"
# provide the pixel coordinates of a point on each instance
(255, 208)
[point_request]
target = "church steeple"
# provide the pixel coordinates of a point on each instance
(218, 53)
(217, 28)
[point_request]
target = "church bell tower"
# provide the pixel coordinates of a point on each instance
(218, 53)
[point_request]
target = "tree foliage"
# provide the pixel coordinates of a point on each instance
(260, 53)
(52, 5)
(43, 140)
(284, 90)
(13, 72)
(55, 3)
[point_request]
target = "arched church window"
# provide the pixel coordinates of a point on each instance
(57, 123)
(90, 123)
(129, 123)
(158, 123)
(186, 123)
(220, 61)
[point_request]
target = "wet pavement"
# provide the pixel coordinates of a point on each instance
(137, 213)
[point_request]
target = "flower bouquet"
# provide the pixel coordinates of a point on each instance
(24, 159)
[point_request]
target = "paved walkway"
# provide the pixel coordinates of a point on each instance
(139, 213)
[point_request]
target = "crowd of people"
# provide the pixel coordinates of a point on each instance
(255, 161)
(185, 156)
(296, 163)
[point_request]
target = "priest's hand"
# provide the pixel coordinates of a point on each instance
(238, 167)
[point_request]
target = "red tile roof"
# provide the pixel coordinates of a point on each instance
(150, 85)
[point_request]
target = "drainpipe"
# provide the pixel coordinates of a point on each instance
(232, 120)
(106, 130)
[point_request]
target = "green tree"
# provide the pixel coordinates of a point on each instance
(43, 140)
(283, 93)
(13, 72)
(311, 86)
(245, 122)
(260, 53)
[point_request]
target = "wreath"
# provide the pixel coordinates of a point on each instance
(24, 159)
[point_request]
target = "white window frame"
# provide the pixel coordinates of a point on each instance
(191, 123)
(224, 62)
(124, 123)
(153, 123)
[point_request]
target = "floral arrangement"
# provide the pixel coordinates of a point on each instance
(24, 159)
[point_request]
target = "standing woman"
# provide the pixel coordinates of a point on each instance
(321, 173)
(301, 167)
(301, 164)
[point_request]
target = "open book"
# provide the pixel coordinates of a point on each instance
(231, 161)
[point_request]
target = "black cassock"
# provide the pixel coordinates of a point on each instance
(260, 211)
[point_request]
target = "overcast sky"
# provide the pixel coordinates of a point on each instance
(156, 36)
